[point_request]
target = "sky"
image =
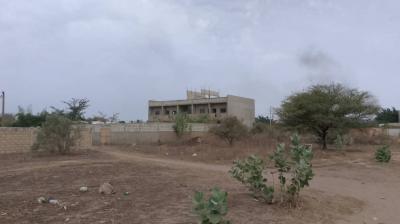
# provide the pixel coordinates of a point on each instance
(119, 54)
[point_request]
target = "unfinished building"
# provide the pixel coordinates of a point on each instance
(207, 105)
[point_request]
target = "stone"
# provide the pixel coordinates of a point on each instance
(106, 188)
(42, 200)
(83, 189)
(54, 201)
(194, 154)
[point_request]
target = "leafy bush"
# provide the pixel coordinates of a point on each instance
(181, 124)
(302, 172)
(213, 210)
(57, 134)
(282, 164)
(200, 119)
(383, 154)
(296, 163)
(250, 173)
(230, 129)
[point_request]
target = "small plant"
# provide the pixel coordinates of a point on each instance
(250, 173)
(230, 129)
(302, 172)
(57, 134)
(339, 141)
(296, 163)
(282, 164)
(213, 210)
(383, 154)
(181, 124)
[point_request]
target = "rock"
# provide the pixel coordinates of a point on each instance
(42, 200)
(54, 201)
(106, 188)
(83, 189)
(194, 154)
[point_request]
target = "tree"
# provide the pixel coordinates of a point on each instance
(230, 129)
(76, 108)
(263, 119)
(323, 108)
(25, 118)
(57, 134)
(387, 115)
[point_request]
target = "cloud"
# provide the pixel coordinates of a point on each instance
(119, 54)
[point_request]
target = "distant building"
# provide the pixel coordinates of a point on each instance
(202, 104)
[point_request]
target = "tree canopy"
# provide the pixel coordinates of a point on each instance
(387, 115)
(323, 108)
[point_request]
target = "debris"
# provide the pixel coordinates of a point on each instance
(3, 213)
(67, 219)
(42, 200)
(126, 193)
(83, 189)
(194, 154)
(106, 188)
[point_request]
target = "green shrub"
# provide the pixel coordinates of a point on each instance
(181, 125)
(383, 154)
(213, 210)
(230, 129)
(250, 173)
(302, 172)
(296, 163)
(57, 134)
(282, 164)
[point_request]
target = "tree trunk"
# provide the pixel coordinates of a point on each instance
(323, 138)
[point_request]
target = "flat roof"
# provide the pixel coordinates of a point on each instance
(155, 103)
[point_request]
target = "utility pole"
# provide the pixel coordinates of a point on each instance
(3, 97)
(270, 116)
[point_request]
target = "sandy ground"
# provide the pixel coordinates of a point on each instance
(349, 187)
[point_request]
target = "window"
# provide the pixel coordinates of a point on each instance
(214, 110)
(173, 112)
(202, 110)
(157, 112)
(222, 110)
(166, 112)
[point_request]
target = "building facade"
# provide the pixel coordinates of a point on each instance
(205, 104)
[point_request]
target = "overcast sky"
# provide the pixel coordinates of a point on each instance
(121, 53)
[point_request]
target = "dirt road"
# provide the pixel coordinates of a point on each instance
(346, 189)
(377, 185)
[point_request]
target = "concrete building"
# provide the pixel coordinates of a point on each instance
(202, 104)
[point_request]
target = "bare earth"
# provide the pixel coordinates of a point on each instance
(349, 187)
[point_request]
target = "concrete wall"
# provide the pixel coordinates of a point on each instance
(16, 139)
(121, 134)
(242, 108)
(21, 139)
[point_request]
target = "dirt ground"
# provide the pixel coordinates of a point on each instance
(349, 187)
